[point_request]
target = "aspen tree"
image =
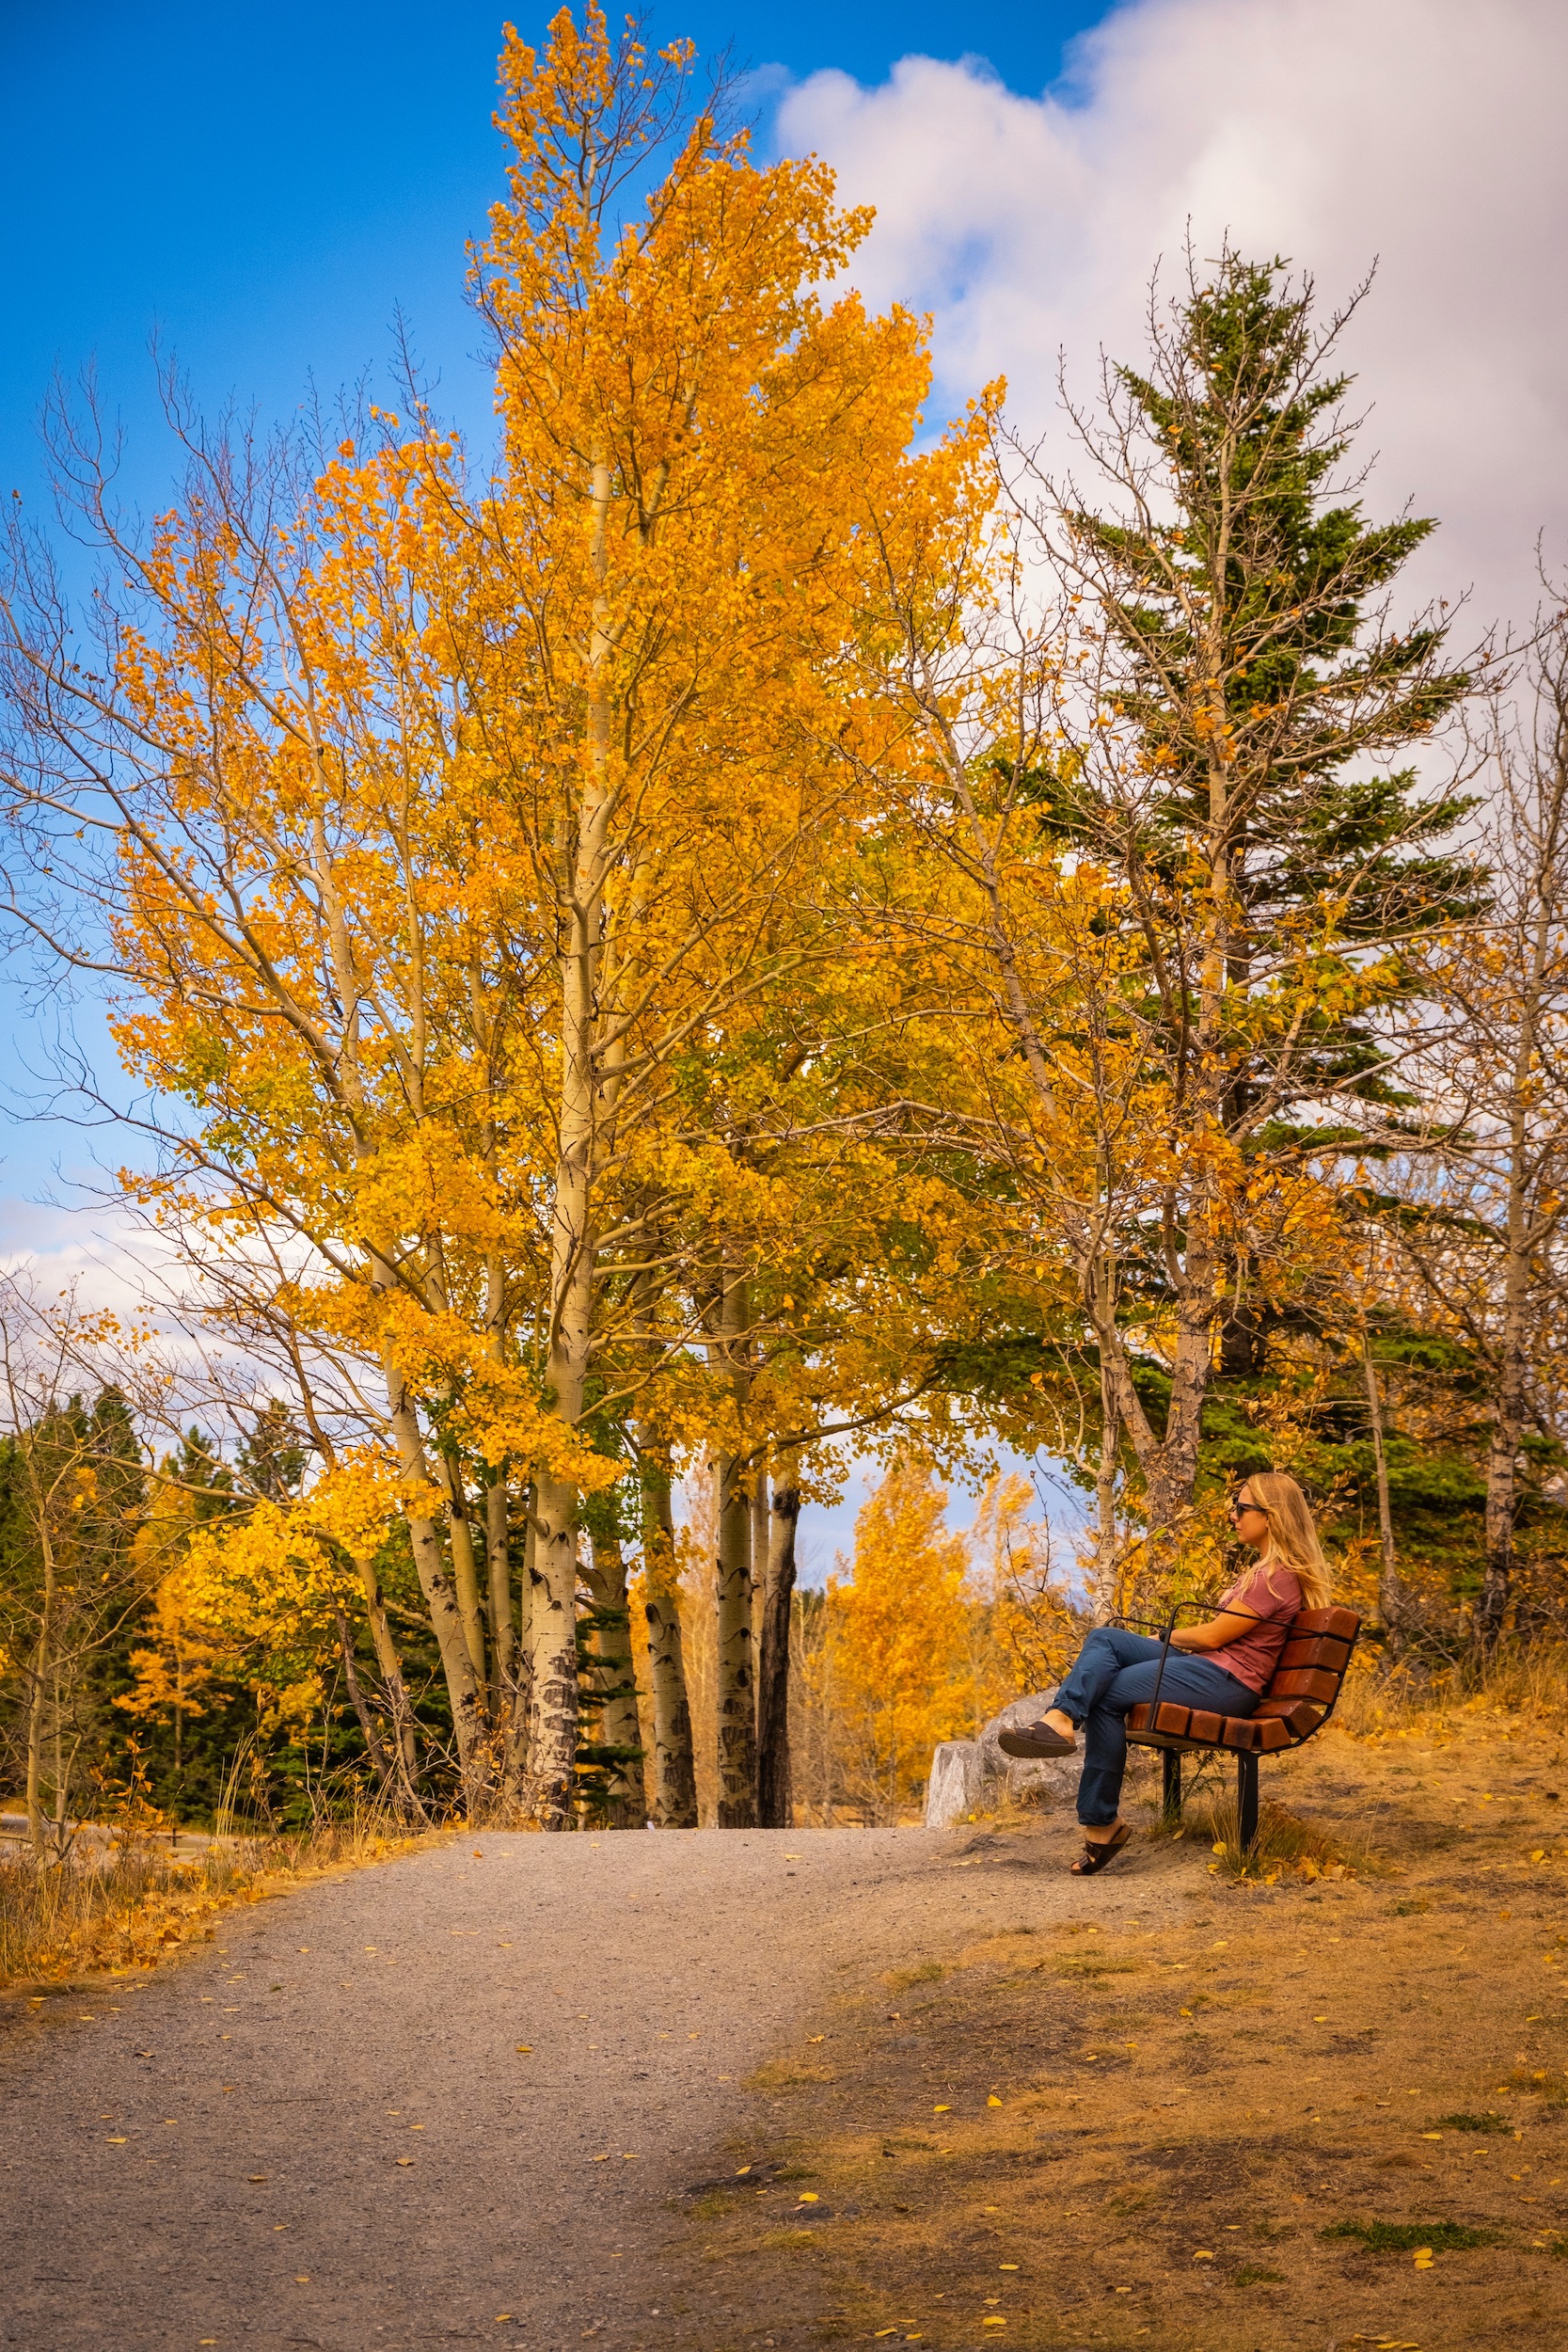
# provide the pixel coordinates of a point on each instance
(663, 557)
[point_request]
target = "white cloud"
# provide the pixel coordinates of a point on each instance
(1423, 134)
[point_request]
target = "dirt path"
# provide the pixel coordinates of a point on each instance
(318, 2129)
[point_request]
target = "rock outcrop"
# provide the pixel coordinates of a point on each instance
(974, 1776)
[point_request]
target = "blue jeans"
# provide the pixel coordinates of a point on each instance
(1116, 1671)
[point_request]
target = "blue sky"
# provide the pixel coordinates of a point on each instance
(267, 185)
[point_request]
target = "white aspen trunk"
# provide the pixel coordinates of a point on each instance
(445, 1617)
(497, 1564)
(775, 1793)
(615, 1676)
(736, 1665)
(1391, 1594)
(553, 1696)
(464, 1572)
(389, 1667)
(674, 1769)
(1507, 1417)
(38, 1685)
(515, 1753)
(1110, 1440)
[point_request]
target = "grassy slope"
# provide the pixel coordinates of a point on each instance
(1191, 2093)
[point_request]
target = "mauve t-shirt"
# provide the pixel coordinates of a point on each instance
(1273, 1595)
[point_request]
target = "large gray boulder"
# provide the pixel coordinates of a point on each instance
(974, 1776)
(954, 1789)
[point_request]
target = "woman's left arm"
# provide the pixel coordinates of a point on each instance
(1217, 1634)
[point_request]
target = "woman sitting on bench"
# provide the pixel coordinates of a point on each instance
(1224, 1666)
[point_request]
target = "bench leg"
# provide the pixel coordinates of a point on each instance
(1246, 1801)
(1170, 1811)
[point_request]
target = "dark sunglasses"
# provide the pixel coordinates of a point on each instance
(1240, 1509)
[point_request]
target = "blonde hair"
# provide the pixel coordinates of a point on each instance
(1293, 1537)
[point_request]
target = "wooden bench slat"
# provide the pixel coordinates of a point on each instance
(1306, 1682)
(1295, 1714)
(1319, 1651)
(1343, 1624)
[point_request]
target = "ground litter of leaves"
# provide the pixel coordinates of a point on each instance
(1190, 2115)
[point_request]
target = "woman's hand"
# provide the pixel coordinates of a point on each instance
(1217, 1634)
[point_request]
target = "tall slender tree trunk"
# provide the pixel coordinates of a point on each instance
(552, 1662)
(465, 1570)
(552, 1728)
(1110, 1440)
(553, 1651)
(1391, 1592)
(38, 1688)
(515, 1753)
(380, 1758)
(615, 1677)
(735, 1664)
(1508, 1424)
(440, 1599)
(775, 1799)
(674, 1769)
(503, 1636)
(389, 1667)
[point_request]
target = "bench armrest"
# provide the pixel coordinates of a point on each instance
(1164, 1627)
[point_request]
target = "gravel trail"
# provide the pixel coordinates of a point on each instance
(318, 2129)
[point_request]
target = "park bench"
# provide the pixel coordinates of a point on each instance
(1299, 1701)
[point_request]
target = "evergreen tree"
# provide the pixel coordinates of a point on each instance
(1274, 866)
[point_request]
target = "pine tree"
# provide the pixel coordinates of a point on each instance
(1249, 684)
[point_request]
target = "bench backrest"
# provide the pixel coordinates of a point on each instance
(1311, 1668)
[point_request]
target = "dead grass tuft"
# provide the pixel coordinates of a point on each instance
(1286, 1846)
(1522, 1682)
(129, 1904)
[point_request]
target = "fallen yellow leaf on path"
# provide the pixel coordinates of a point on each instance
(993, 2101)
(405, 2159)
(525, 2049)
(942, 2110)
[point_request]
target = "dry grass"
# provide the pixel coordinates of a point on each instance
(129, 1905)
(1523, 1683)
(1285, 1846)
(1204, 2114)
